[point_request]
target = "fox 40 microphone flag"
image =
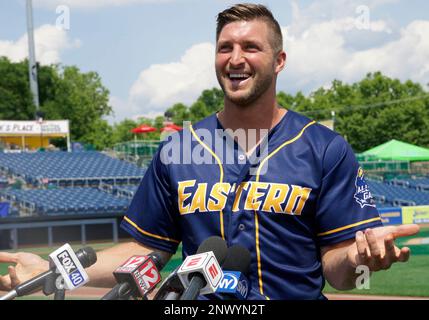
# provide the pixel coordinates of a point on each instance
(69, 266)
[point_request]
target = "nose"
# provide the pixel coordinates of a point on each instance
(237, 57)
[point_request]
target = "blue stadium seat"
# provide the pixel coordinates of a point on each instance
(70, 201)
(65, 167)
(398, 195)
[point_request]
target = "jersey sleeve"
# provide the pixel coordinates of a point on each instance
(151, 218)
(345, 205)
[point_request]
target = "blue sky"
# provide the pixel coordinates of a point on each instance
(151, 54)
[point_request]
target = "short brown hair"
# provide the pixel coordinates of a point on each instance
(248, 12)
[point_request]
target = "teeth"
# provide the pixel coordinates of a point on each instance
(238, 75)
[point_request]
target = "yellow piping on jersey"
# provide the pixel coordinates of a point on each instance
(258, 173)
(148, 233)
(222, 231)
(348, 226)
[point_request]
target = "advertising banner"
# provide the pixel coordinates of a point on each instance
(391, 216)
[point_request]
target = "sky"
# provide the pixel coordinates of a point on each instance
(151, 54)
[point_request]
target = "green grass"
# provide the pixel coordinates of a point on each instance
(402, 279)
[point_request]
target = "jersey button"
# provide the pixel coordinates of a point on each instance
(241, 157)
(241, 227)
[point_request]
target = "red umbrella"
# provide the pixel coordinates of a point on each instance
(171, 127)
(143, 128)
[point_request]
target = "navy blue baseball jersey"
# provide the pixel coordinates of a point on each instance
(302, 190)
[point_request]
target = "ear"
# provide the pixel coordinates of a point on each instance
(280, 61)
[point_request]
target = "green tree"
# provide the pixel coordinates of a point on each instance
(212, 99)
(16, 102)
(64, 93)
(122, 131)
(80, 98)
(159, 122)
(101, 137)
(179, 112)
(198, 111)
(371, 111)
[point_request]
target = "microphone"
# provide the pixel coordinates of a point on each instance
(65, 262)
(171, 288)
(201, 272)
(235, 285)
(136, 277)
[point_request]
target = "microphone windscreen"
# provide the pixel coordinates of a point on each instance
(86, 256)
(215, 244)
(158, 260)
(237, 259)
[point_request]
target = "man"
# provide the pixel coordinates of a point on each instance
(295, 197)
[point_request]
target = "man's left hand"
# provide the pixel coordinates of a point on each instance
(376, 247)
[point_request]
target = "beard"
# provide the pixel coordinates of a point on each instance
(259, 87)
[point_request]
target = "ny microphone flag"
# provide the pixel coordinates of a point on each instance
(143, 271)
(69, 266)
(204, 264)
(235, 284)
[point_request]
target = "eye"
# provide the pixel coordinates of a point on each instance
(252, 47)
(224, 48)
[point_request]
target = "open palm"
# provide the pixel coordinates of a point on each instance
(27, 266)
(376, 247)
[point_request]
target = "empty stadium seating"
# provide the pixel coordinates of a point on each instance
(67, 177)
(387, 194)
(417, 183)
(125, 191)
(69, 169)
(66, 201)
(3, 181)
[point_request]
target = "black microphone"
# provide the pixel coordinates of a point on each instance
(171, 288)
(64, 264)
(201, 273)
(136, 277)
(235, 284)
(237, 258)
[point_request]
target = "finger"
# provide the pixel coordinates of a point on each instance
(8, 257)
(5, 283)
(361, 246)
(389, 245)
(375, 262)
(404, 254)
(374, 249)
(406, 230)
(14, 280)
(390, 255)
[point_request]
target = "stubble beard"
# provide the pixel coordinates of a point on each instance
(253, 94)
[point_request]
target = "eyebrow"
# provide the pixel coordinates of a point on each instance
(245, 42)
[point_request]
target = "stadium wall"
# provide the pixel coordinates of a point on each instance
(405, 215)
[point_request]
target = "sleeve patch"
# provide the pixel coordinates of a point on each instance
(362, 195)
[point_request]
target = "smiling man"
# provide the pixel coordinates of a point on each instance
(302, 209)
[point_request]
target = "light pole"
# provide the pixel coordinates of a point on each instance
(32, 64)
(40, 122)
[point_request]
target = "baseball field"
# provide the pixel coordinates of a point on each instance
(409, 279)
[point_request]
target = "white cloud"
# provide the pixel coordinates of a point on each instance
(407, 57)
(91, 4)
(161, 85)
(320, 50)
(49, 40)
